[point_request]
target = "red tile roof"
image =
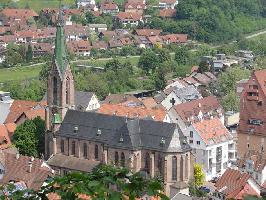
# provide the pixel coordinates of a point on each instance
(155, 39)
(11, 127)
(212, 131)
(20, 106)
(149, 102)
(18, 170)
(259, 161)
(108, 6)
(5, 141)
(132, 112)
(233, 184)
(171, 13)
(190, 110)
(19, 13)
(148, 32)
(125, 16)
(136, 5)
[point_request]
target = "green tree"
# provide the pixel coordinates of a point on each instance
(113, 64)
(198, 175)
(204, 67)
(182, 55)
(29, 137)
(163, 55)
(99, 184)
(148, 61)
(159, 79)
(29, 54)
(230, 102)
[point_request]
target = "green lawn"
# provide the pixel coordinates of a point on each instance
(19, 73)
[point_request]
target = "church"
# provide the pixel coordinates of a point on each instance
(77, 140)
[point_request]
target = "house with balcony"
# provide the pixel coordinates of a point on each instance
(213, 146)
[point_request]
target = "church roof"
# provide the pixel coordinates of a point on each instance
(60, 53)
(134, 133)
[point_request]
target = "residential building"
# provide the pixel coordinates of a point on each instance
(5, 104)
(168, 4)
(32, 172)
(76, 32)
(80, 47)
(19, 14)
(175, 39)
(79, 141)
(41, 49)
(97, 28)
(135, 7)
(21, 110)
(85, 3)
(253, 163)
(251, 130)
(180, 95)
(167, 13)
(147, 32)
(213, 146)
(194, 111)
(86, 101)
(109, 7)
(131, 19)
(235, 185)
(5, 137)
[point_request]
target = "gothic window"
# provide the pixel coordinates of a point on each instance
(67, 90)
(62, 146)
(96, 152)
(174, 168)
(55, 91)
(181, 168)
(122, 159)
(73, 147)
(147, 163)
(85, 150)
(116, 158)
(160, 164)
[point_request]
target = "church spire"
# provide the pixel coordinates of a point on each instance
(60, 53)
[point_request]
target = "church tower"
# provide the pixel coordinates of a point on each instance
(60, 85)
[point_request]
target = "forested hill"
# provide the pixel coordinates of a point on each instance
(216, 20)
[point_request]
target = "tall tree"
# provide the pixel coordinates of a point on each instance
(182, 55)
(29, 137)
(29, 54)
(198, 175)
(159, 79)
(148, 61)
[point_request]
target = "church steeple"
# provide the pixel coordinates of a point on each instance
(60, 84)
(60, 53)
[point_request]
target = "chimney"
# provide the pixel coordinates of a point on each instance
(30, 166)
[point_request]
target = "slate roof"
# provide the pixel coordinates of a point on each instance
(82, 99)
(136, 133)
(188, 93)
(71, 162)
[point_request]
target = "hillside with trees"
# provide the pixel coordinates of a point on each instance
(215, 21)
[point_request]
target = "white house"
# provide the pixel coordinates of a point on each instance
(168, 4)
(85, 3)
(97, 27)
(211, 143)
(180, 95)
(5, 104)
(86, 101)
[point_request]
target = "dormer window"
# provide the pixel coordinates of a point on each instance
(162, 141)
(99, 132)
(121, 140)
(76, 129)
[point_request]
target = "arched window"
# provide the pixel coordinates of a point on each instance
(55, 91)
(62, 146)
(174, 168)
(181, 168)
(73, 147)
(116, 158)
(85, 150)
(67, 90)
(96, 152)
(160, 164)
(122, 159)
(147, 163)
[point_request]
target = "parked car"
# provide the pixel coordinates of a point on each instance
(205, 189)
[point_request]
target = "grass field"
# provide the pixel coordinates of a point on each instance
(19, 73)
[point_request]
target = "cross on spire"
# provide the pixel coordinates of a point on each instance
(172, 101)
